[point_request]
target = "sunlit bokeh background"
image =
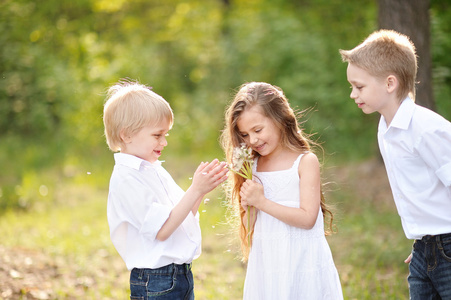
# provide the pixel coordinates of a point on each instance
(57, 60)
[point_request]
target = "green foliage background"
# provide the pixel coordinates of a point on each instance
(58, 58)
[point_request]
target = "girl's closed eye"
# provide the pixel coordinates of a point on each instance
(359, 87)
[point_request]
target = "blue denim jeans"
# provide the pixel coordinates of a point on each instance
(430, 268)
(171, 282)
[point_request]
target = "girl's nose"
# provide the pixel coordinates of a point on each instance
(253, 140)
(353, 94)
(163, 141)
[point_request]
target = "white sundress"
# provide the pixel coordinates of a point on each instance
(287, 262)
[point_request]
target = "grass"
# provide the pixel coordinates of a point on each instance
(370, 246)
(71, 238)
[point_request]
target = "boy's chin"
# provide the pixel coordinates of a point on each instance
(368, 111)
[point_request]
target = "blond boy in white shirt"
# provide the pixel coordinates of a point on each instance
(415, 144)
(154, 224)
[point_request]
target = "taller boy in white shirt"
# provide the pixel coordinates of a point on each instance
(415, 144)
(154, 225)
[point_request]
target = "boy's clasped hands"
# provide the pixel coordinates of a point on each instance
(209, 175)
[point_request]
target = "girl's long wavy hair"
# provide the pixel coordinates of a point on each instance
(275, 106)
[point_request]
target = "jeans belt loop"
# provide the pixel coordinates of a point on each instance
(438, 238)
(140, 273)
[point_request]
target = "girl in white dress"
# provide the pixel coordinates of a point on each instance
(283, 237)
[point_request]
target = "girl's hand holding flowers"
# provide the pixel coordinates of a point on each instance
(252, 194)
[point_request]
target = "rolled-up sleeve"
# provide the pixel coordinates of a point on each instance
(435, 148)
(154, 219)
(444, 174)
(141, 208)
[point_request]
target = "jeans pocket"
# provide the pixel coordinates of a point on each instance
(445, 250)
(161, 284)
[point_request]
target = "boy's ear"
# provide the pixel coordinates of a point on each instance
(392, 83)
(124, 137)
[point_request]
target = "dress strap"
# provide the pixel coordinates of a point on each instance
(298, 160)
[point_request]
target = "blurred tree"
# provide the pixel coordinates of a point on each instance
(441, 48)
(412, 19)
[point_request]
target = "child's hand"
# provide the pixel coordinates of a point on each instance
(408, 259)
(209, 175)
(252, 194)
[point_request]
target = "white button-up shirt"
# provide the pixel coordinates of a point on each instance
(416, 149)
(141, 197)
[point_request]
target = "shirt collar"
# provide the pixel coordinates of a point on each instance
(132, 161)
(402, 117)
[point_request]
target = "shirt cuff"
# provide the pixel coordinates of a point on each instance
(444, 174)
(154, 220)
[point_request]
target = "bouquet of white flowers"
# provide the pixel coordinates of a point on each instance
(242, 161)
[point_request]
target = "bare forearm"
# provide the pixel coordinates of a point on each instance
(195, 208)
(297, 217)
(189, 203)
(206, 178)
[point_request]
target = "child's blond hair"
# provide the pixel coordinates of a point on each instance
(129, 107)
(387, 52)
